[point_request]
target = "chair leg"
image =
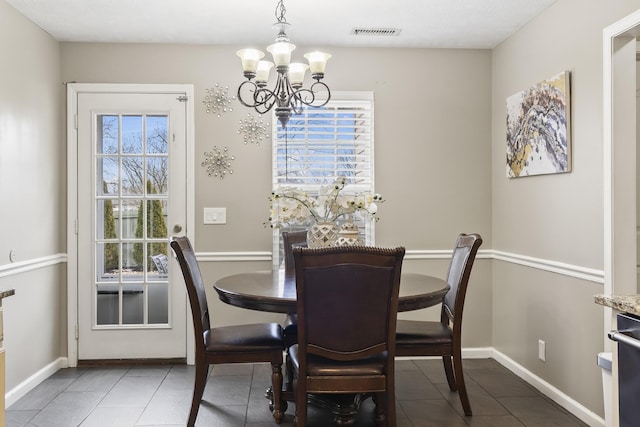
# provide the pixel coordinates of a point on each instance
(378, 399)
(390, 406)
(448, 370)
(276, 385)
(462, 389)
(301, 405)
(289, 369)
(202, 370)
(205, 373)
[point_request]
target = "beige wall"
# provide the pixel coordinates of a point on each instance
(32, 189)
(432, 151)
(424, 137)
(558, 217)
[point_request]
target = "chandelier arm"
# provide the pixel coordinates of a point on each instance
(262, 97)
(295, 105)
(283, 90)
(303, 96)
(263, 109)
(325, 88)
(308, 96)
(242, 85)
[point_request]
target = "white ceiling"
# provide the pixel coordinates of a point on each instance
(474, 24)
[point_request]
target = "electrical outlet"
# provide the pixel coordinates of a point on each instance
(542, 350)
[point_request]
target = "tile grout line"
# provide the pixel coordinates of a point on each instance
(103, 397)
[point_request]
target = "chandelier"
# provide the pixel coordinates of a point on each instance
(288, 95)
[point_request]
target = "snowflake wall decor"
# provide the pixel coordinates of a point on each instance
(217, 100)
(218, 162)
(254, 130)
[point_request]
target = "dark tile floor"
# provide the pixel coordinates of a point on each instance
(161, 396)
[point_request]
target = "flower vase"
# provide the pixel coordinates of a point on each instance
(349, 235)
(322, 235)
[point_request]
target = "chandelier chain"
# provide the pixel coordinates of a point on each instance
(280, 12)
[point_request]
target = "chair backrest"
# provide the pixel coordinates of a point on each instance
(291, 239)
(195, 287)
(464, 254)
(347, 301)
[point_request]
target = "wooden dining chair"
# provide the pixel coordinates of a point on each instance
(291, 239)
(443, 338)
(253, 343)
(347, 303)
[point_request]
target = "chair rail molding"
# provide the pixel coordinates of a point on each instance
(579, 272)
(31, 264)
(233, 256)
(576, 271)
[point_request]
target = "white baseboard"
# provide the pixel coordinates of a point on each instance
(467, 353)
(584, 414)
(575, 408)
(13, 395)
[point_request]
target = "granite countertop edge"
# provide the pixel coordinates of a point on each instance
(7, 293)
(625, 303)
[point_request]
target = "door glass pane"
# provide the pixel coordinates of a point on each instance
(157, 132)
(107, 134)
(131, 207)
(107, 261)
(129, 215)
(108, 306)
(111, 261)
(107, 182)
(132, 134)
(109, 214)
(156, 220)
(132, 262)
(157, 174)
(158, 303)
(158, 267)
(132, 175)
(133, 304)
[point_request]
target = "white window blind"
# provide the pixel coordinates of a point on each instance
(321, 144)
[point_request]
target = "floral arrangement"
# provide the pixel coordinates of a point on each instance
(290, 205)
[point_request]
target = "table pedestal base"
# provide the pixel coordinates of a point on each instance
(344, 407)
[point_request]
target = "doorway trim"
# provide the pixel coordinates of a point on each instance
(73, 90)
(619, 164)
(619, 146)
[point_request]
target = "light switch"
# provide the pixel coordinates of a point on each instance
(215, 215)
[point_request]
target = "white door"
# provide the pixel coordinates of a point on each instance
(131, 196)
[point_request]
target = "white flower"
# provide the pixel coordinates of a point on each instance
(292, 205)
(372, 208)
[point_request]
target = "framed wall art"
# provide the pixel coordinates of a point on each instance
(539, 128)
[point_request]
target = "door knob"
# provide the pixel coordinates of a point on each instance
(177, 228)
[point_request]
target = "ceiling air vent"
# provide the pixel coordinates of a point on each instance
(376, 32)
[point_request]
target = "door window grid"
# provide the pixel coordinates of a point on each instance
(131, 191)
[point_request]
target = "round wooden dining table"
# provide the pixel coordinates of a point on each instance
(274, 291)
